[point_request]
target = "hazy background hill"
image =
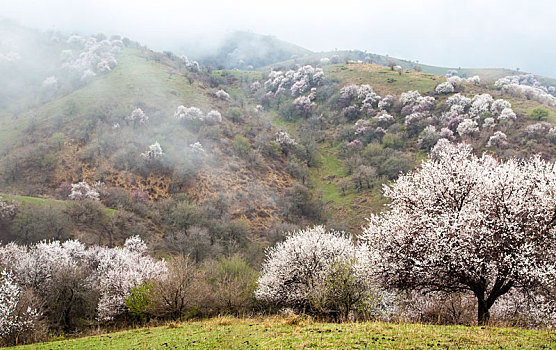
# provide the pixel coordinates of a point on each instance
(242, 50)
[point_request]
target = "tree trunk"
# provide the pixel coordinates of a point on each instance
(483, 312)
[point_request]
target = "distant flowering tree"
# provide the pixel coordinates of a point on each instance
(153, 153)
(529, 87)
(466, 223)
(455, 81)
(303, 105)
(138, 117)
(283, 138)
(428, 137)
(82, 190)
(537, 129)
(409, 97)
(499, 105)
(444, 88)
(197, 147)
(467, 127)
(213, 117)
(223, 95)
(386, 103)
(188, 113)
(480, 104)
(507, 114)
(458, 99)
(499, 139)
(7, 211)
(384, 119)
(475, 80)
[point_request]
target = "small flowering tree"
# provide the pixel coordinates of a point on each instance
(507, 114)
(188, 113)
(315, 269)
(499, 105)
(467, 223)
(13, 321)
(386, 103)
(499, 139)
(197, 147)
(223, 95)
(82, 190)
(475, 80)
(444, 88)
(283, 138)
(303, 105)
(138, 117)
(153, 153)
(467, 127)
(213, 117)
(7, 211)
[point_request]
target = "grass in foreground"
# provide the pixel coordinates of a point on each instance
(294, 333)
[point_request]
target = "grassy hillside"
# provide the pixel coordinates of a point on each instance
(352, 206)
(72, 138)
(278, 333)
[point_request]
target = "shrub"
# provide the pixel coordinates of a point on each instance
(241, 145)
(539, 113)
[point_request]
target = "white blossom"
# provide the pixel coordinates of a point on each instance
(499, 105)
(223, 95)
(467, 127)
(507, 114)
(138, 117)
(489, 123)
(7, 211)
(480, 104)
(82, 190)
(386, 103)
(499, 139)
(213, 117)
(444, 88)
(537, 129)
(283, 138)
(303, 105)
(13, 322)
(189, 114)
(476, 80)
(154, 152)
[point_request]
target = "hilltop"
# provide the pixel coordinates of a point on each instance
(244, 50)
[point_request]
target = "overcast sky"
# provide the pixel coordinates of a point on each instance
(466, 33)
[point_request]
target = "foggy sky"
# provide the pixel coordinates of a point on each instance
(465, 33)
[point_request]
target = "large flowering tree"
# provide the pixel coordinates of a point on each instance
(466, 223)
